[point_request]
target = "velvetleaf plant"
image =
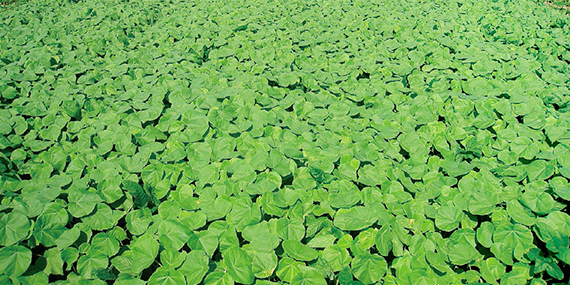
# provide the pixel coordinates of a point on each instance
(284, 142)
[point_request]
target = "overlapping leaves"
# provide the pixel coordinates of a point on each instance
(302, 142)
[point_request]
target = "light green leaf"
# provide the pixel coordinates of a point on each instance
(260, 236)
(299, 251)
(448, 218)
(244, 213)
(336, 257)
(166, 276)
(264, 262)
(288, 269)
(519, 213)
(308, 277)
(14, 227)
(485, 234)
(172, 234)
(87, 265)
(462, 253)
(218, 277)
(492, 270)
(322, 241)
(15, 260)
(519, 274)
(172, 258)
(69, 255)
(106, 244)
(369, 268)
(289, 229)
(54, 262)
(238, 264)
(355, 218)
(194, 267)
(540, 169)
(102, 219)
(144, 252)
(205, 241)
(539, 202)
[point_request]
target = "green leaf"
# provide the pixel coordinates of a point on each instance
(462, 253)
(172, 234)
(346, 194)
(260, 236)
(194, 267)
(322, 241)
(106, 244)
(69, 255)
(205, 241)
(383, 240)
(38, 278)
(519, 274)
(243, 214)
(172, 258)
(238, 264)
(82, 202)
(438, 260)
(355, 218)
(524, 147)
(336, 257)
(448, 218)
(492, 270)
(485, 234)
(520, 214)
(539, 202)
(508, 238)
(54, 262)
(144, 252)
(347, 168)
(14, 227)
(196, 125)
(289, 229)
(101, 219)
(363, 242)
(561, 187)
(88, 265)
(218, 277)
(540, 169)
(299, 251)
(288, 269)
(71, 108)
(15, 260)
(308, 277)
(166, 276)
(264, 262)
(369, 268)
(138, 221)
(547, 264)
(554, 231)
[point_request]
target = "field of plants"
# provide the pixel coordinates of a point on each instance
(284, 142)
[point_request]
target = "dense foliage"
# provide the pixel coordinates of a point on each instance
(271, 142)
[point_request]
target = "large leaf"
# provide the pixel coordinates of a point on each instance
(355, 218)
(15, 260)
(144, 252)
(299, 251)
(448, 218)
(194, 267)
(166, 276)
(88, 265)
(14, 227)
(369, 268)
(238, 264)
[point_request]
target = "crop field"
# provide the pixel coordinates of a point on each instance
(284, 142)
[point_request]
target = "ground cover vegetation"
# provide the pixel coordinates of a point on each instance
(273, 142)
